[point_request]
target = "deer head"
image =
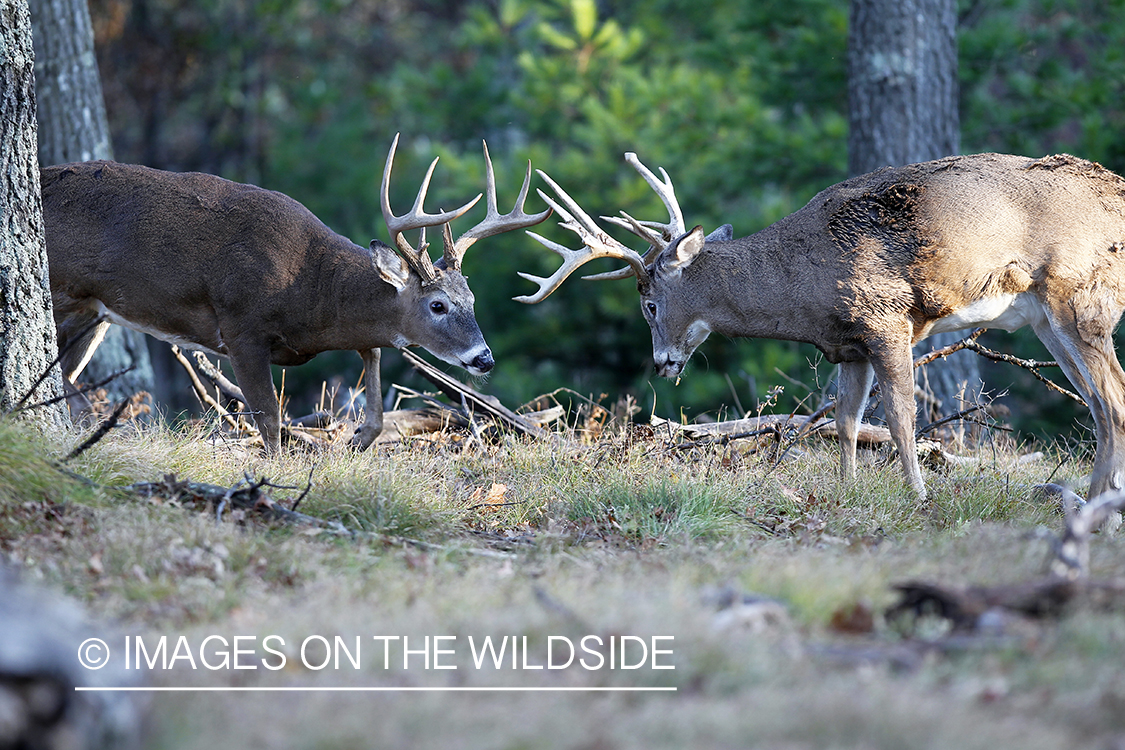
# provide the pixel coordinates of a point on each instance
(438, 304)
(676, 312)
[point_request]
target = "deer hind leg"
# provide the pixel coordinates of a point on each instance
(894, 366)
(1082, 344)
(852, 387)
(373, 393)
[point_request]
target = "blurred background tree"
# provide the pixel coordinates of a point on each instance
(745, 104)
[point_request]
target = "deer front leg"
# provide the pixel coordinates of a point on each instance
(252, 371)
(852, 388)
(894, 367)
(373, 393)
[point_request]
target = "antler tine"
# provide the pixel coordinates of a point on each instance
(417, 218)
(597, 244)
(675, 226)
(644, 230)
(493, 222)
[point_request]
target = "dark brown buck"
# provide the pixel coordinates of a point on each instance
(253, 275)
(877, 263)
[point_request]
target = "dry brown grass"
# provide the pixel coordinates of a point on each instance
(614, 537)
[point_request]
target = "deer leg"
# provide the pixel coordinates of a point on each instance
(373, 393)
(894, 366)
(852, 388)
(1090, 363)
(252, 371)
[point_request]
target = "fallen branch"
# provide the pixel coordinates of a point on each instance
(474, 400)
(247, 496)
(1072, 558)
(1031, 365)
(770, 423)
(101, 432)
(216, 376)
(201, 393)
(1067, 582)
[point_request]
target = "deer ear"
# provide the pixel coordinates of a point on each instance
(682, 252)
(390, 265)
(725, 233)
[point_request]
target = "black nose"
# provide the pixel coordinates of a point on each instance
(483, 362)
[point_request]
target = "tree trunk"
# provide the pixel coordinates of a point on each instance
(27, 329)
(73, 127)
(902, 108)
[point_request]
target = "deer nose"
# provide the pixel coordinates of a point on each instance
(482, 362)
(666, 367)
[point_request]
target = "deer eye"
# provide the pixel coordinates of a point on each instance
(437, 307)
(651, 306)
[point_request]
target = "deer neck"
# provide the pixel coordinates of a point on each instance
(747, 287)
(356, 309)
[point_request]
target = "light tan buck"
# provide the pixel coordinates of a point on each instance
(877, 263)
(253, 275)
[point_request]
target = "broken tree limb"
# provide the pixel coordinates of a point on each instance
(1067, 581)
(769, 423)
(216, 376)
(476, 401)
(248, 496)
(1072, 558)
(1031, 365)
(201, 392)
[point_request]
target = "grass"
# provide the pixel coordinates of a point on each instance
(614, 537)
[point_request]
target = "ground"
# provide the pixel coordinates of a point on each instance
(772, 579)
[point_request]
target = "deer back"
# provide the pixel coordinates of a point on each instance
(203, 260)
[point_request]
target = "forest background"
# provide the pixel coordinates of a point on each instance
(744, 103)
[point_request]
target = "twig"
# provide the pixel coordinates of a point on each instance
(202, 393)
(1031, 365)
(58, 358)
(945, 351)
(308, 486)
(496, 505)
(945, 420)
(101, 432)
(77, 391)
(216, 376)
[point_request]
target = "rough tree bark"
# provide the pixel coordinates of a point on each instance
(73, 127)
(27, 330)
(902, 108)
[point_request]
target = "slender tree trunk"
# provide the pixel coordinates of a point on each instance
(27, 329)
(73, 127)
(902, 108)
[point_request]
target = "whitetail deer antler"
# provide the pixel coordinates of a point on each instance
(597, 244)
(417, 218)
(493, 222)
(644, 229)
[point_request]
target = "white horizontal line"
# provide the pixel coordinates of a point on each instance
(375, 689)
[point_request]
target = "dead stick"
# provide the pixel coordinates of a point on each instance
(216, 376)
(1031, 365)
(202, 393)
(101, 432)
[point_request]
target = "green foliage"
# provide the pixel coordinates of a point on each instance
(743, 103)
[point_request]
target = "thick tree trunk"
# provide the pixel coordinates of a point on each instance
(73, 127)
(902, 108)
(27, 330)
